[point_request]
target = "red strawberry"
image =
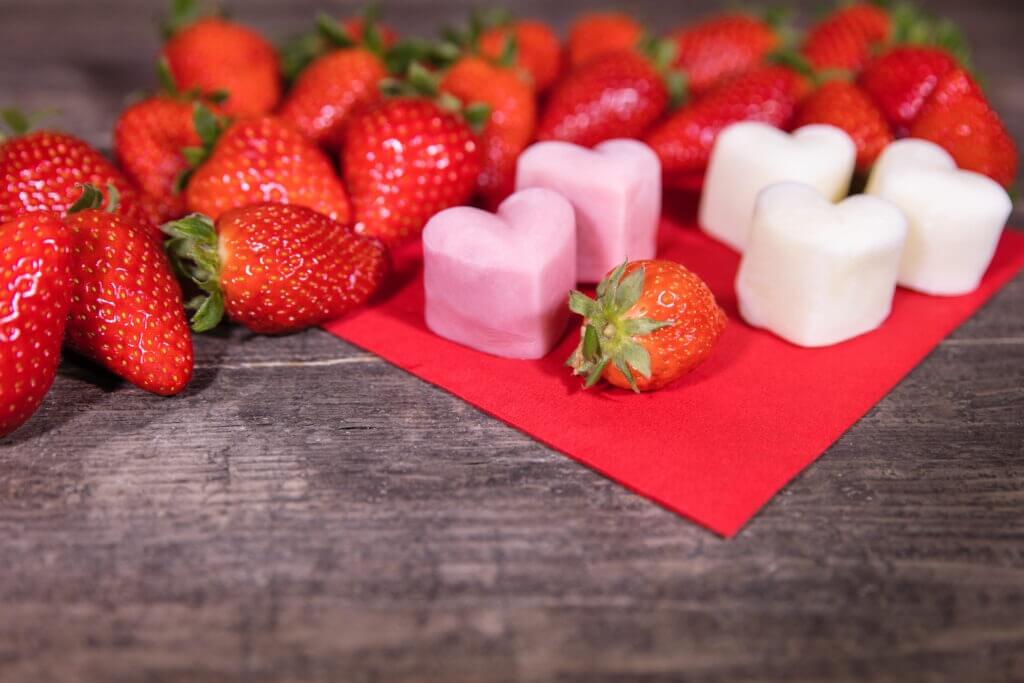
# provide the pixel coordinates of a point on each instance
(958, 117)
(218, 56)
(44, 171)
(597, 33)
(846, 106)
(330, 34)
(328, 90)
(265, 160)
(406, 159)
(614, 95)
(900, 80)
(276, 268)
(35, 295)
(126, 311)
(846, 38)
(510, 126)
(538, 51)
(769, 94)
(721, 47)
(652, 322)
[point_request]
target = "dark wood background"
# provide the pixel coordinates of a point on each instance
(306, 512)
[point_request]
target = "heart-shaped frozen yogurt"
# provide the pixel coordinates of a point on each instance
(499, 282)
(616, 191)
(954, 217)
(817, 273)
(748, 157)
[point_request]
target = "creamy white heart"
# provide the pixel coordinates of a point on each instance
(615, 189)
(817, 273)
(955, 217)
(748, 157)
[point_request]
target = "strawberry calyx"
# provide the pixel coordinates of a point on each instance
(209, 126)
(662, 55)
(331, 34)
(184, 13)
(421, 82)
(14, 122)
(611, 329)
(193, 249)
(911, 26)
(92, 198)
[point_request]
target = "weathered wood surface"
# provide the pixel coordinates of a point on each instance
(305, 512)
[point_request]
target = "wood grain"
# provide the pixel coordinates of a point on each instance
(306, 512)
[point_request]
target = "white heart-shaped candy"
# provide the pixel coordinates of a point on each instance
(817, 273)
(954, 217)
(750, 156)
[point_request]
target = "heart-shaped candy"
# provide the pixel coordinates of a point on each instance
(748, 157)
(817, 273)
(954, 217)
(499, 282)
(616, 191)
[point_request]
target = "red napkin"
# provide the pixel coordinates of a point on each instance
(715, 446)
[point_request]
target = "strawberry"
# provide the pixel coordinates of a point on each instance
(275, 268)
(43, 171)
(724, 46)
(652, 322)
(405, 159)
(538, 51)
(846, 38)
(510, 126)
(768, 93)
(958, 117)
(596, 33)
(261, 160)
(328, 90)
(900, 80)
(614, 95)
(35, 295)
(356, 32)
(126, 310)
(368, 32)
(846, 106)
(214, 55)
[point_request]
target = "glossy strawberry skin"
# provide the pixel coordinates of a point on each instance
(327, 92)
(538, 50)
(217, 55)
(286, 268)
(126, 311)
(846, 38)
(510, 127)
(148, 140)
(769, 94)
(597, 33)
(900, 80)
(35, 296)
(958, 117)
(615, 95)
(404, 160)
(44, 171)
(721, 47)
(266, 160)
(844, 105)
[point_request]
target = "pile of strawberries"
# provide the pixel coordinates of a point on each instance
(268, 185)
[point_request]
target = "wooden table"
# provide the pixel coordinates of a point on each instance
(306, 512)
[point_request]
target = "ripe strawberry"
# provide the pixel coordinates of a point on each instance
(328, 90)
(597, 33)
(406, 159)
(615, 95)
(265, 160)
(330, 34)
(900, 80)
(846, 38)
(958, 117)
(275, 268)
(652, 322)
(724, 46)
(538, 51)
(35, 295)
(768, 93)
(126, 310)
(510, 126)
(218, 56)
(846, 106)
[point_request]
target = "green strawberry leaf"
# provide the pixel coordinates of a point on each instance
(629, 290)
(637, 357)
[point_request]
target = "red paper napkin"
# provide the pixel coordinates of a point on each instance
(715, 446)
